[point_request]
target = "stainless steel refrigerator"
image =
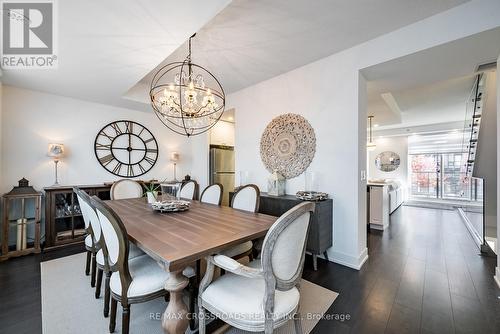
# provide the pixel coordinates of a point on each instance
(222, 169)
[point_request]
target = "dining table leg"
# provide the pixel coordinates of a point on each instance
(175, 318)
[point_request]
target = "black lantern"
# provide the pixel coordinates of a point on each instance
(21, 221)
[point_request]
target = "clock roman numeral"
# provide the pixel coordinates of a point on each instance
(150, 160)
(129, 127)
(149, 140)
(117, 168)
(117, 129)
(106, 135)
(105, 160)
(152, 150)
(103, 147)
(141, 168)
(130, 170)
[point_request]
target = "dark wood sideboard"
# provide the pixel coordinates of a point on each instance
(63, 218)
(320, 232)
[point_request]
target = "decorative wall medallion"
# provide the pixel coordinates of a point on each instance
(387, 161)
(288, 145)
(126, 148)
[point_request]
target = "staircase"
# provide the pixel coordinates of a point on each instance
(472, 124)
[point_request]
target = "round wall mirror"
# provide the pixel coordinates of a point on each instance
(387, 161)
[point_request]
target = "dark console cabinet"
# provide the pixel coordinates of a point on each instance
(63, 218)
(320, 231)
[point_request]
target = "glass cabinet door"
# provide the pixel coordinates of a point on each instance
(68, 217)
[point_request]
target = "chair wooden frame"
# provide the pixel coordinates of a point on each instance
(121, 266)
(100, 245)
(221, 187)
(272, 282)
(196, 188)
(113, 187)
(250, 253)
(257, 191)
(90, 263)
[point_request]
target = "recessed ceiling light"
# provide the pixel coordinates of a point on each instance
(375, 125)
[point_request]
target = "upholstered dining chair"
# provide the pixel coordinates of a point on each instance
(188, 189)
(132, 281)
(94, 238)
(247, 198)
(90, 245)
(265, 294)
(126, 189)
(212, 194)
(100, 260)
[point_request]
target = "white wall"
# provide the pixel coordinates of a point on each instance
(32, 119)
(222, 134)
(327, 93)
(398, 145)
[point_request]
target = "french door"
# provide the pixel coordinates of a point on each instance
(438, 176)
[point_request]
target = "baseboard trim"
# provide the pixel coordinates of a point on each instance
(497, 276)
(468, 224)
(349, 260)
(379, 227)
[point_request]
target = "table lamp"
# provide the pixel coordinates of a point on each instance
(174, 157)
(56, 151)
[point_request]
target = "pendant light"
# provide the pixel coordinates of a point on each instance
(186, 97)
(370, 145)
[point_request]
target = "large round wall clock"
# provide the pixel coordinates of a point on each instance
(126, 148)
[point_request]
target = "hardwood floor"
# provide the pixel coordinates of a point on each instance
(424, 275)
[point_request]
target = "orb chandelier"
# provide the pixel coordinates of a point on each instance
(186, 97)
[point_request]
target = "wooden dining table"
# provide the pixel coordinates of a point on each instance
(176, 240)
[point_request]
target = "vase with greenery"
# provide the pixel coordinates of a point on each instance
(151, 192)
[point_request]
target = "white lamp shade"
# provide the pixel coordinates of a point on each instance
(55, 150)
(174, 156)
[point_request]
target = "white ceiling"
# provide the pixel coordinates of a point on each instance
(251, 41)
(106, 47)
(430, 86)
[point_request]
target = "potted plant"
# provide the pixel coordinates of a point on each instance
(151, 191)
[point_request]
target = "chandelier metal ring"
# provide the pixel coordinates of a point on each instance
(186, 97)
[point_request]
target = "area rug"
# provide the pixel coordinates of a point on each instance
(69, 305)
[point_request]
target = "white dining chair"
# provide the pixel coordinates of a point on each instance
(247, 198)
(263, 295)
(212, 194)
(89, 214)
(188, 190)
(132, 281)
(90, 244)
(93, 238)
(126, 189)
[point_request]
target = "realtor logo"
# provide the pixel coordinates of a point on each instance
(28, 34)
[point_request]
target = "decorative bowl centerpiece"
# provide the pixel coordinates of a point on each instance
(170, 206)
(311, 195)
